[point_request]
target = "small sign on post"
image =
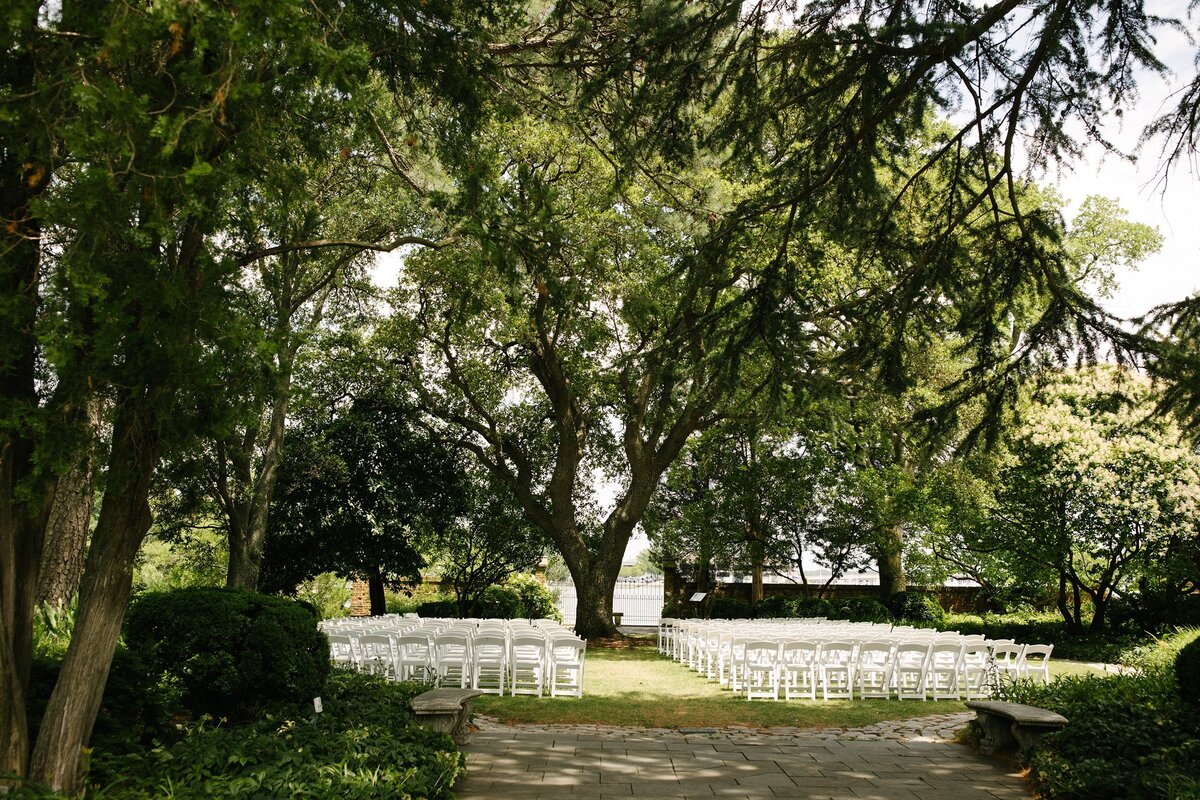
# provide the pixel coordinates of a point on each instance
(317, 705)
(697, 597)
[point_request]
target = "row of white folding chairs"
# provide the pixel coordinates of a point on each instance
(904, 668)
(528, 661)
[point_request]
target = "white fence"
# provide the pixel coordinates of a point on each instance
(640, 602)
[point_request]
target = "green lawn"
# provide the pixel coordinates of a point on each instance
(634, 685)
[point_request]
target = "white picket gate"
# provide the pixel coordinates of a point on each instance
(639, 602)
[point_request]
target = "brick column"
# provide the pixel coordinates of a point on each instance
(360, 599)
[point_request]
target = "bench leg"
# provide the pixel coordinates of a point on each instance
(997, 733)
(1027, 737)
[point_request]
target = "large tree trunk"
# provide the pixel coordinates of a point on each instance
(23, 504)
(375, 590)
(104, 594)
(890, 561)
(245, 554)
(594, 603)
(70, 521)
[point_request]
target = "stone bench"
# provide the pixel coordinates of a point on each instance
(1004, 725)
(445, 710)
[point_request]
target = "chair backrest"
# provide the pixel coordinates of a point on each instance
(837, 652)
(946, 654)
(761, 651)
(875, 653)
(912, 655)
(1039, 654)
(799, 652)
(489, 647)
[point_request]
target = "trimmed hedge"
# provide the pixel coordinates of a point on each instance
(231, 653)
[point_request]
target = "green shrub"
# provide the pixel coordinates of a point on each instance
(534, 600)
(1187, 672)
(729, 608)
(364, 745)
(863, 609)
(918, 607)
(1049, 628)
(810, 607)
(773, 607)
(231, 653)
(438, 608)
(328, 595)
(1129, 736)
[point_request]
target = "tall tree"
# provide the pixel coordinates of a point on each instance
(361, 494)
(582, 328)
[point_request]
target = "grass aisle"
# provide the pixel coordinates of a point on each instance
(629, 683)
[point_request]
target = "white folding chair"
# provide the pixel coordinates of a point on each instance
(414, 657)
(798, 666)
(760, 670)
(567, 656)
(452, 658)
(908, 670)
(873, 670)
(378, 654)
(527, 663)
(836, 670)
(489, 663)
(341, 651)
(945, 662)
(1034, 662)
(973, 672)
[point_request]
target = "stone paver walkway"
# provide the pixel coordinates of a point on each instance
(904, 760)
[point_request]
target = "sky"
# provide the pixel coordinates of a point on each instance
(1171, 205)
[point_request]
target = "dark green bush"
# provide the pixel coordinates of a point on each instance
(1187, 672)
(917, 606)
(863, 609)
(1049, 628)
(364, 745)
(729, 608)
(499, 602)
(1128, 738)
(437, 608)
(773, 607)
(810, 607)
(230, 653)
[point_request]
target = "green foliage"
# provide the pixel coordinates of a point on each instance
(331, 510)
(231, 653)
(522, 596)
(408, 601)
(191, 557)
(810, 607)
(1187, 672)
(437, 608)
(862, 609)
(534, 600)
(327, 593)
(729, 608)
(52, 627)
(772, 607)
(1130, 737)
(1048, 627)
(364, 745)
(918, 607)
(133, 710)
